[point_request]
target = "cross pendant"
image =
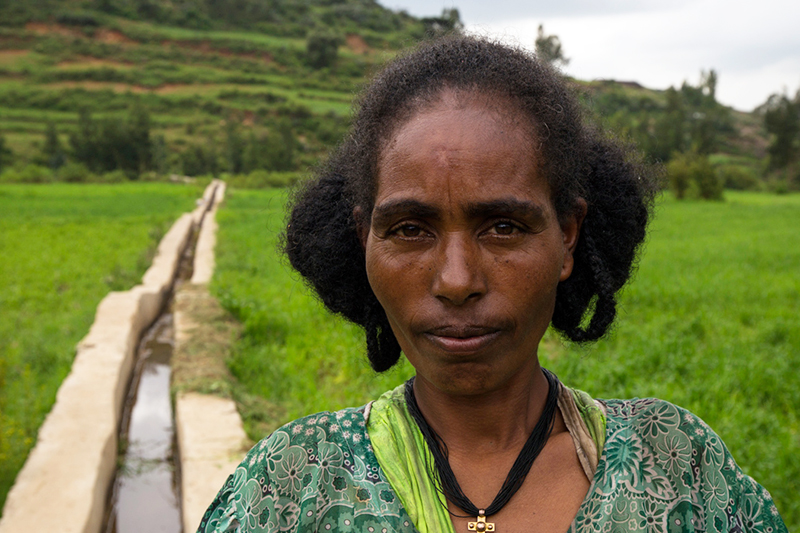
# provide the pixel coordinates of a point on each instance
(481, 526)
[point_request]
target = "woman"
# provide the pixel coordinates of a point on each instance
(469, 209)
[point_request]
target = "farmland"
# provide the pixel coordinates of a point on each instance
(64, 247)
(716, 295)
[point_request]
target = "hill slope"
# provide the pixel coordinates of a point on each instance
(226, 84)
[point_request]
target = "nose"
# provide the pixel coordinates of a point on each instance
(458, 278)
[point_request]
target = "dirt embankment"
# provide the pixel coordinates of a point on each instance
(357, 44)
(209, 47)
(105, 35)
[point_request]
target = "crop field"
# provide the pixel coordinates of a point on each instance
(63, 248)
(709, 323)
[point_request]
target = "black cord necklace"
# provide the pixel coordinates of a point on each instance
(444, 478)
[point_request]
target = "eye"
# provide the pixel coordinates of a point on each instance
(504, 228)
(409, 230)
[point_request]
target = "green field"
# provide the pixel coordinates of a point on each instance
(63, 248)
(709, 323)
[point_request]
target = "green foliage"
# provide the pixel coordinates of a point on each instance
(262, 179)
(52, 151)
(281, 17)
(200, 159)
(30, 173)
(691, 174)
(115, 176)
(738, 177)
(234, 147)
(782, 121)
(62, 252)
(716, 295)
(322, 47)
(6, 154)
(682, 120)
(448, 22)
(548, 48)
(73, 172)
(114, 144)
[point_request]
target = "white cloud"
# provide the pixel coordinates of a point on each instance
(754, 47)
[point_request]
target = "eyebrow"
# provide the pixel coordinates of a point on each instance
(506, 206)
(384, 213)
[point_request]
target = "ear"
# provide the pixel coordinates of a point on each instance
(362, 226)
(570, 231)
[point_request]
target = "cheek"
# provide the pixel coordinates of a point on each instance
(393, 280)
(529, 282)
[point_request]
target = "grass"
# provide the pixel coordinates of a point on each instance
(64, 247)
(291, 352)
(709, 323)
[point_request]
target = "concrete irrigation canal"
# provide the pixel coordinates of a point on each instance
(109, 458)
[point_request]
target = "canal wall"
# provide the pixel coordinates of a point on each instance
(211, 439)
(64, 484)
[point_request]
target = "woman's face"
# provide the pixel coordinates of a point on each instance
(464, 250)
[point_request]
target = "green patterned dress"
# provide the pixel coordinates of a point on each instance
(662, 469)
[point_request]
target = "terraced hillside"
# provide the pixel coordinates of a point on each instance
(205, 90)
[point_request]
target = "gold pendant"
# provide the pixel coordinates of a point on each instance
(481, 525)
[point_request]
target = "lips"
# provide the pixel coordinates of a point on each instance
(462, 339)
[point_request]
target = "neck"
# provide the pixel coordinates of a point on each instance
(497, 419)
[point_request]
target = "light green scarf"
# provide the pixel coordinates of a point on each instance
(403, 454)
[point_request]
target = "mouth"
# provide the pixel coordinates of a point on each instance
(462, 339)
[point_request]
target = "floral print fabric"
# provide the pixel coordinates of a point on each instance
(662, 470)
(317, 473)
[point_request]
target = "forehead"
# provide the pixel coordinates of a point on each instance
(471, 145)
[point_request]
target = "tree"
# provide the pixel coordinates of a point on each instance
(234, 146)
(692, 171)
(548, 49)
(322, 48)
(52, 152)
(669, 132)
(280, 147)
(160, 155)
(782, 121)
(83, 140)
(141, 146)
(448, 22)
(708, 84)
(113, 143)
(6, 155)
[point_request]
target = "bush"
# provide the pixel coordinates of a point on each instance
(10, 175)
(322, 49)
(35, 174)
(739, 178)
(262, 179)
(691, 175)
(709, 185)
(77, 19)
(115, 176)
(73, 172)
(679, 176)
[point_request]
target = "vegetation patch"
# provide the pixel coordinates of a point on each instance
(64, 247)
(716, 294)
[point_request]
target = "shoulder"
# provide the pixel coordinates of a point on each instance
(315, 472)
(656, 448)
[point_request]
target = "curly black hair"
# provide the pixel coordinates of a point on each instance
(578, 160)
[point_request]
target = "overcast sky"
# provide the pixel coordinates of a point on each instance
(753, 45)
